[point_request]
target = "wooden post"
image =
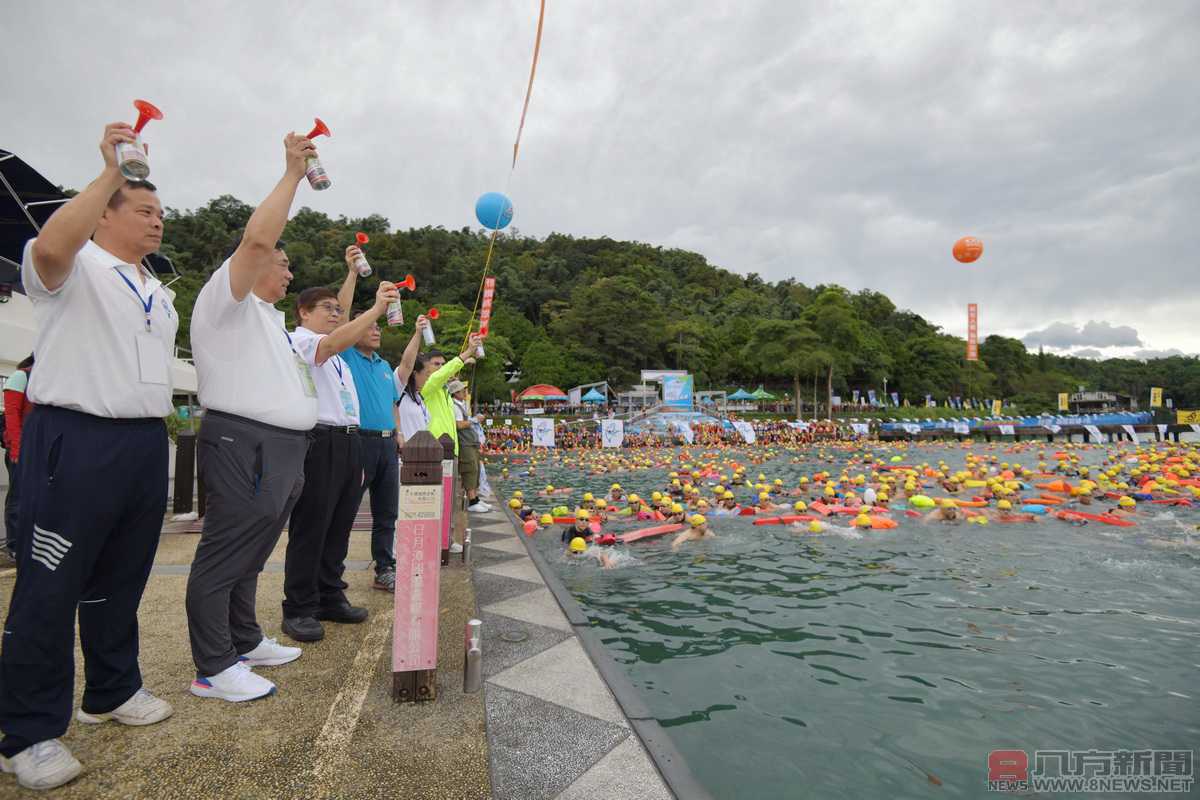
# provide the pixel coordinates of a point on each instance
(419, 529)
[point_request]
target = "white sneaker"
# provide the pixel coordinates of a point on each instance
(44, 765)
(270, 653)
(479, 507)
(455, 547)
(235, 684)
(141, 709)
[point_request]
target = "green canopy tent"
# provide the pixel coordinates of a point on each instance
(762, 394)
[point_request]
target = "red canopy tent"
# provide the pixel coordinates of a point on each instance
(542, 393)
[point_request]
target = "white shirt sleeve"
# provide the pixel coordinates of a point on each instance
(34, 288)
(306, 342)
(459, 414)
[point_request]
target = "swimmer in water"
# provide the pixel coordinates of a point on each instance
(946, 512)
(578, 548)
(615, 493)
(676, 515)
(697, 529)
(578, 529)
(1126, 507)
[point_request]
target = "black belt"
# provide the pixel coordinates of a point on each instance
(348, 430)
(375, 434)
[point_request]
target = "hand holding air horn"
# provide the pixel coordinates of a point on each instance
(131, 156)
(395, 311)
(315, 173)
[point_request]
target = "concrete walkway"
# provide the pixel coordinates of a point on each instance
(555, 729)
(332, 731)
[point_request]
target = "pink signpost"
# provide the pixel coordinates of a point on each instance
(420, 531)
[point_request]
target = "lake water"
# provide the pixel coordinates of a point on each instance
(787, 664)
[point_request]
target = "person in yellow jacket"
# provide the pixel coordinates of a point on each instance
(433, 392)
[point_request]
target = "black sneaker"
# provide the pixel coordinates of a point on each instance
(344, 613)
(385, 580)
(303, 629)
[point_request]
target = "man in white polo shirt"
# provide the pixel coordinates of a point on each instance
(319, 530)
(93, 471)
(260, 404)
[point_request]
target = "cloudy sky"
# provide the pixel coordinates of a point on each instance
(846, 142)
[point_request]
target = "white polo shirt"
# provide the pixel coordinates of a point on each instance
(95, 351)
(244, 361)
(337, 397)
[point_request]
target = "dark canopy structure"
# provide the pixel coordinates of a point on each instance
(27, 199)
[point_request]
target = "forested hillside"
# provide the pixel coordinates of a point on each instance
(572, 311)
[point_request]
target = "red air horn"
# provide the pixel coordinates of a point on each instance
(395, 311)
(131, 156)
(317, 178)
(428, 331)
(360, 263)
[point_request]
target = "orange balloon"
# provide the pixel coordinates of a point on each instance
(968, 249)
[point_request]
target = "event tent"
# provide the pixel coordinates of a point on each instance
(740, 394)
(543, 392)
(593, 397)
(762, 394)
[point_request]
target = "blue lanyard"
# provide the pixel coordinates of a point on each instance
(337, 366)
(147, 304)
(289, 338)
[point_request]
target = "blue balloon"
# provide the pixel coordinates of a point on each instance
(493, 210)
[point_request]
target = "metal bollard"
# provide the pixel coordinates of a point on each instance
(466, 553)
(473, 657)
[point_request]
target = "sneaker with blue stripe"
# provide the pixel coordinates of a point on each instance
(235, 684)
(270, 653)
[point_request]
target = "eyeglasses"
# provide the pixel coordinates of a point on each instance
(332, 308)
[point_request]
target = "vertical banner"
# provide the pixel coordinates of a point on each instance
(677, 391)
(746, 430)
(997, 407)
(972, 332)
(1064, 401)
(612, 432)
(896, 399)
(871, 396)
(575, 396)
(485, 309)
(855, 394)
(1156, 397)
(930, 402)
(543, 432)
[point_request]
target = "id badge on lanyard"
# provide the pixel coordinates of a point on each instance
(150, 350)
(348, 405)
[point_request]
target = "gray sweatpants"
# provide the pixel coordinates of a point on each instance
(253, 474)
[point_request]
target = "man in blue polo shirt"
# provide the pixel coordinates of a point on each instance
(379, 420)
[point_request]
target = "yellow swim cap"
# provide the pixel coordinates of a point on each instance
(549, 488)
(676, 508)
(656, 496)
(1004, 505)
(614, 486)
(578, 545)
(1126, 502)
(727, 496)
(799, 506)
(546, 519)
(633, 498)
(764, 496)
(948, 502)
(514, 503)
(701, 504)
(588, 496)
(862, 521)
(814, 527)
(696, 520)
(581, 515)
(518, 494)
